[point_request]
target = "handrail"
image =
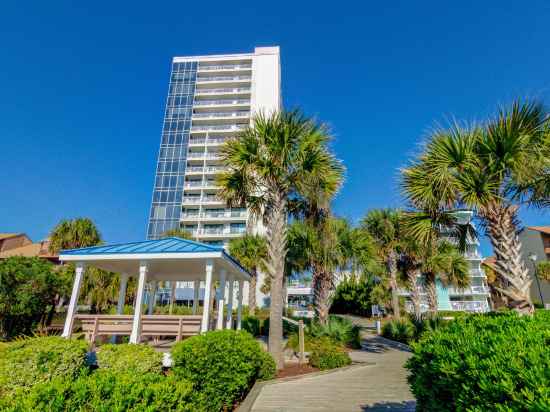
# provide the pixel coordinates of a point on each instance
(301, 343)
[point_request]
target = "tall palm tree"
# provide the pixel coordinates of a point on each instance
(181, 233)
(493, 169)
(324, 249)
(384, 226)
(74, 233)
(270, 163)
(251, 252)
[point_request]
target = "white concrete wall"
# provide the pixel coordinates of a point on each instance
(266, 80)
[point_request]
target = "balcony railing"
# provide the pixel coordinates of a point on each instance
(210, 215)
(225, 67)
(220, 102)
(472, 290)
(220, 114)
(192, 200)
(223, 90)
(470, 306)
(193, 155)
(222, 78)
(218, 127)
(208, 169)
(204, 199)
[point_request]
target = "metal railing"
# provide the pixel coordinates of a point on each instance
(223, 90)
(471, 290)
(220, 114)
(208, 169)
(203, 155)
(220, 102)
(222, 78)
(470, 306)
(225, 67)
(219, 127)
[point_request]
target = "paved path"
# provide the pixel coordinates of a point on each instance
(380, 385)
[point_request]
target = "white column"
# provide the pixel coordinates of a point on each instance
(207, 294)
(221, 300)
(196, 290)
(122, 293)
(229, 322)
(240, 304)
(172, 295)
(136, 325)
(152, 297)
(79, 274)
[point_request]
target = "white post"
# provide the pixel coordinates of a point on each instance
(207, 294)
(152, 297)
(69, 320)
(136, 325)
(221, 300)
(122, 293)
(240, 304)
(229, 322)
(172, 295)
(196, 290)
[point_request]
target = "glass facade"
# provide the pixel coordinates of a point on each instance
(169, 180)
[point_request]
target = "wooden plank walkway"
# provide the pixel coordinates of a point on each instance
(381, 386)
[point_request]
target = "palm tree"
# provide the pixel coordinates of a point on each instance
(384, 226)
(251, 252)
(323, 248)
(493, 169)
(74, 233)
(181, 233)
(270, 163)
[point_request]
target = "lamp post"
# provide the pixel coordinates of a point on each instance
(533, 259)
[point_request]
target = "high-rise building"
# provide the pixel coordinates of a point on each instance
(210, 98)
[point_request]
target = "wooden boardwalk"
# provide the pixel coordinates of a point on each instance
(379, 385)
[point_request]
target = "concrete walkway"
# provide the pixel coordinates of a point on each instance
(380, 385)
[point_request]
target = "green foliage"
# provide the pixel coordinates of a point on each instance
(28, 290)
(222, 365)
(176, 310)
(496, 362)
(178, 232)
(353, 296)
(27, 362)
(339, 330)
(327, 354)
(251, 324)
(400, 330)
(74, 233)
(129, 358)
(107, 390)
(543, 270)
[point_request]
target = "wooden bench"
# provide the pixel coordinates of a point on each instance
(151, 325)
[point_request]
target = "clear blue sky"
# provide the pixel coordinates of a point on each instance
(83, 84)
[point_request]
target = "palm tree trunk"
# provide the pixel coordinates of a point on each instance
(252, 291)
(509, 265)
(412, 277)
(276, 223)
(322, 288)
(431, 292)
(392, 270)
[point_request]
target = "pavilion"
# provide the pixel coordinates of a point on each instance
(170, 259)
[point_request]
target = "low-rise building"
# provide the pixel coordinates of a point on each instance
(21, 245)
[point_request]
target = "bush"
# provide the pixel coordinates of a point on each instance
(268, 367)
(130, 358)
(400, 330)
(251, 324)
(484, 362)
(327, 354)
(353, 296)
(27, 362)
(222, 365)
(107, 390)
(339, 330)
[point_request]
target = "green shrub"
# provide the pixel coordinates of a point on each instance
(131, 358)
(491, 362)
(26, 362)
(251, 324)
(107, 390)
(222, 365)
(268, 367)
(327, 354)
(400, 330)
(338, 329)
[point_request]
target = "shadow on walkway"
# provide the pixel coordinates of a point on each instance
(378, 344)
(405, 406)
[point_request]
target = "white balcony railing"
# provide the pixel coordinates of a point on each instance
(213, 67)
(218, 127)
(220, 114)
(210, 215)
(202, 79)
(204, 199)
(470, 306)
(223, 90)
(472, 290)
(200, 169)
(221, 102)
(194, 155)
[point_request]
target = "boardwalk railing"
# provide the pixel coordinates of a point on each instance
(301, 343)
(151, 325)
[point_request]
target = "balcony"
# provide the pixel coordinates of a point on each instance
(222, 67)
(221, 102)
(207, 200)
(470, 306)
(215, 216)
(223, 90)
(196, 170)
(192, 184)
(203, 156)
(472, 290)
(223, 79)
(191, 200)
(221, 127)
(220, 115)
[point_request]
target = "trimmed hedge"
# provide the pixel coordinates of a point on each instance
(27, 362)
(129, 358)
(222, 365)
(400, 330)
(327, 354)
(107, 390)
(497, 362)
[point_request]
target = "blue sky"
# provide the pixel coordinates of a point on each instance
(83, 84)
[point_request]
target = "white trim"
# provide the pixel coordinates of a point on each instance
(73, 303)
(221, 300)
(136, 323)
(141, 256)
(207, 296)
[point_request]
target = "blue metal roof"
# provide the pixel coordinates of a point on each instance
(167, 245)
